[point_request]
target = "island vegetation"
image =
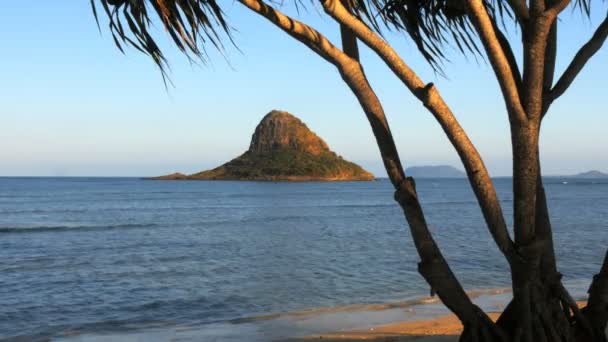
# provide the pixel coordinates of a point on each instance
(283, 149)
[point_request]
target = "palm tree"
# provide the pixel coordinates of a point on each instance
(541, 309)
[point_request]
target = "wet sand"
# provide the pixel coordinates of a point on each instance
(442, 329)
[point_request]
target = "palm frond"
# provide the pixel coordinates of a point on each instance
(433, 24)
(584, 6)
(191, 24)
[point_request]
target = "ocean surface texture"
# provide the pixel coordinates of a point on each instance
(104, 259)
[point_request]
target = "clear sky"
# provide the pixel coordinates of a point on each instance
(72, 104)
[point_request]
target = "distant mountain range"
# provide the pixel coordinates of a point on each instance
(589, 174)
(434, 171)
(447, 171)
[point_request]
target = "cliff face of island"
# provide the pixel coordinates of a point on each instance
(283, 148)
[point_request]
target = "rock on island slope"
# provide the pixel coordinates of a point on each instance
(283, 148)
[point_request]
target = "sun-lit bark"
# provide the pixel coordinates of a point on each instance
(510, 56)
(500, 63)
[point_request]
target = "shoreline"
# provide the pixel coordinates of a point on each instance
(298, 325)
(446, 328)
(423, 319)
(410, 305)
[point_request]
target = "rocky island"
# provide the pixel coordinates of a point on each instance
(283, 148)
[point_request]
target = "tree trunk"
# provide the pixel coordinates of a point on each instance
(597, 309)
(542, 310)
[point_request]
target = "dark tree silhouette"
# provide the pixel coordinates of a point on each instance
(541, 309)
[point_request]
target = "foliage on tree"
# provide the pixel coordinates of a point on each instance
(541, 309)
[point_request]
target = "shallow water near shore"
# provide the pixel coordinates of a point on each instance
(100, 259)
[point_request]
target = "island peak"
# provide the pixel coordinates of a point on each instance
(281, 130)
(283, 148)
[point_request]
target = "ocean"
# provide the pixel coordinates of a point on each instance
(124, 259)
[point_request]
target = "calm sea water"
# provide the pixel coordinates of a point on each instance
(105, 256)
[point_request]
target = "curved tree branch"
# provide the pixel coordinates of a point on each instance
(580, 59)
(506, 46)
(427, 93)
(485, 28)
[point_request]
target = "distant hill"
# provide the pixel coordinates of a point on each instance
(283, 148)
(590, 174)
(436, 171)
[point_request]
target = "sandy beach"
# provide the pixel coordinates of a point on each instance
(441, 329)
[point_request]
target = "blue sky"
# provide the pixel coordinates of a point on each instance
(72, 104)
